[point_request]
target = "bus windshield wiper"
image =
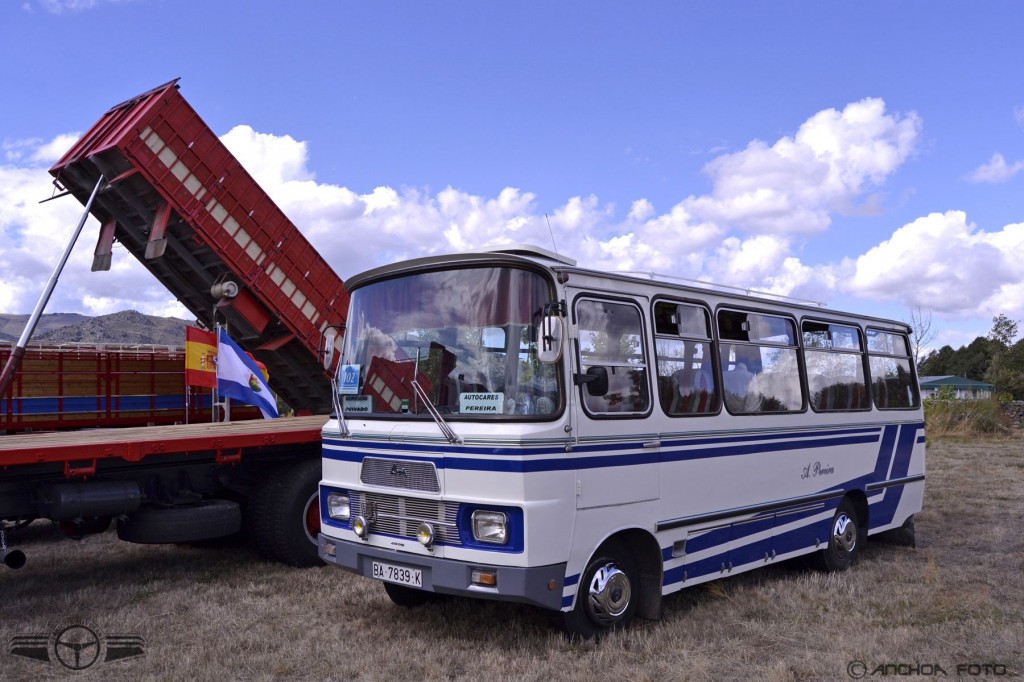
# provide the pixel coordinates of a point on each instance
(343, 430)
(441, 423)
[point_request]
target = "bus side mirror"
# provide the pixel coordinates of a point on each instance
(328, 348)
(552, 329)
(596, 381)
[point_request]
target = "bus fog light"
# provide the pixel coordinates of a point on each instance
(330, 549)
(360, 526)
(338, 506)
(484, 578)
(489, 526)
(425, 534)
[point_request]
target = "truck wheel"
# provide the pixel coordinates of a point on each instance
(607, 595)
(156, 525)
(284, 513)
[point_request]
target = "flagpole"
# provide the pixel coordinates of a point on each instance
(216, 368)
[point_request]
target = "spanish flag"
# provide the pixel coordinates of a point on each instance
(200, 358)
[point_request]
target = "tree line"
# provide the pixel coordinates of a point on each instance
(995, 359)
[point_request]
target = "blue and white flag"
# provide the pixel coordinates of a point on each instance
(240, 378)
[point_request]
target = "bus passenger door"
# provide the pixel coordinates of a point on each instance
(617, 456)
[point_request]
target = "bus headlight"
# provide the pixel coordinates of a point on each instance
(361, 527)
(338, 506)
(490, 526)
(425, 534)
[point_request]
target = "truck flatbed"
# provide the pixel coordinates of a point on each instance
(135, 443)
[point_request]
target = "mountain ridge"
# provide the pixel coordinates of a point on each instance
(125, 327)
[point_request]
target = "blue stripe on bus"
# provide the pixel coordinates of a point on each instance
(897, 446)
(574, 461)
(885, 452)
(737, 529)
(529, 450)
(884, 511)
(789, 541)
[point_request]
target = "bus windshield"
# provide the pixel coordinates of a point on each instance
(467, 336)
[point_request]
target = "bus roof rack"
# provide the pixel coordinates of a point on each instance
(657, 276)
(534, 251)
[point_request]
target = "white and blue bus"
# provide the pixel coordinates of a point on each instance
(511, 426)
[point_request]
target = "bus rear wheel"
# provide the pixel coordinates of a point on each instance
(843, 539)
(607, 595)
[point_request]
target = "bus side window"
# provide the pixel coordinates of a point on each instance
(834, 357)
(611, 336)
(686, 374)
(893, 383)
(760, 362)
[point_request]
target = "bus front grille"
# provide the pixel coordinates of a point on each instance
(400, 473)
(401, 516)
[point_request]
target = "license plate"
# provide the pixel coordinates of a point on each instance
(398, 574)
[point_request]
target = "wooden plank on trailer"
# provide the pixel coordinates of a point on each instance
(135, 443)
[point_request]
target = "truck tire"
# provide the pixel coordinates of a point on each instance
(284, 513)
(156, 525)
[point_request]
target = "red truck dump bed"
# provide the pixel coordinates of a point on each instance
(77, 385)
(184, 206)
(165, 187)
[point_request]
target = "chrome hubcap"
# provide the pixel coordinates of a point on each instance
(608, 594)
(844, 534)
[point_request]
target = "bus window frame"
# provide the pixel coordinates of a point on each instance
(914, 380)
(865, 365)
(712, 352)
(797, 338)
(590, 295)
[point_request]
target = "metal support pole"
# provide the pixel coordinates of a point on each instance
(19, 351)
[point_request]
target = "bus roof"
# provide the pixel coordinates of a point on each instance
(550, 260)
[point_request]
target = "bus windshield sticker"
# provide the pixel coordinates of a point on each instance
(358, 403)
(482, 403)
(348, 383)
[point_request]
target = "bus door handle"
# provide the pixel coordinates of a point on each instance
(652, 444)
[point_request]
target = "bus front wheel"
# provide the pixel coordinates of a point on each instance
(607, 595)
(843, 539)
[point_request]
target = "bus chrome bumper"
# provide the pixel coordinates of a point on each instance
(537, 585)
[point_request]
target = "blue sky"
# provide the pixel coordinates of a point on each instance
(865, 154)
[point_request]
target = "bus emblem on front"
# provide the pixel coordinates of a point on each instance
(397, 470)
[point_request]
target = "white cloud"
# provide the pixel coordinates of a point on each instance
(996, 170)
(943, 262)
(61, 6)
(33, 235)
(274, 160)
(50, 152)
(765, 201)
(793, 185)
(66, 6)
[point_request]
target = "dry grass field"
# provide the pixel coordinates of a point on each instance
(222, 614)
